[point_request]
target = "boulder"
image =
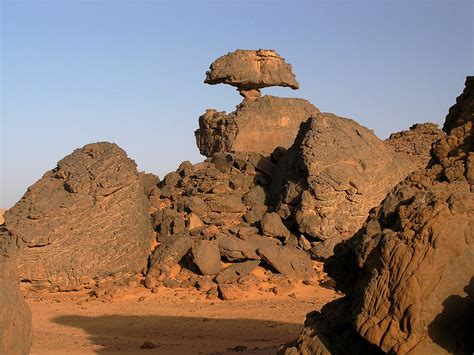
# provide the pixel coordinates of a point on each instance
(334, 173)
(286, 260)
(207, 257)
(408, 273)
(15, 315)
(258, 125)
(251, 70)
(231, 273)
(272, 226)
(83, 222)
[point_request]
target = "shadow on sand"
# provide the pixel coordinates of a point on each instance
(119, 334)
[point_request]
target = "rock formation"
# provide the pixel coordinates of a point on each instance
(408, 273)
(259, 124)
(212, 223)
(84, 223)
(250, 71)
(336, 171)
(15, 315)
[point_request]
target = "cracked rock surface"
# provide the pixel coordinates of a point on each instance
(83, 223)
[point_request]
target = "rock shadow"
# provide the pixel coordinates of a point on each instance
(120, 334)
(452, 328)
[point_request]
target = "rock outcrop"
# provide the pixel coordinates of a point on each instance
(259, 124)
(408, 273)
(84, 223)
(251, 70)
(335, 172)
(15, 315)
(416, 142)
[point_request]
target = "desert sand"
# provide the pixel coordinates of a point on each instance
(177, 321)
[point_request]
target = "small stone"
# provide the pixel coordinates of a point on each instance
(148, 345)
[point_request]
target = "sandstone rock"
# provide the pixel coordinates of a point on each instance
(408, 273)
(166, 256)
(194, 221)
(232, 272)
(273, 226)
(416, 142)
(286, 260)
(234, 249)
(83, 221)
(251, 70)
(206, 256)
(15, 315)
(225, 203)
(258, 125)
(230, 292)
(335, 172)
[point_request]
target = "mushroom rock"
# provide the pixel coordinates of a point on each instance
(408, 273)
(259, 124)
(83, 223)
(251, 70)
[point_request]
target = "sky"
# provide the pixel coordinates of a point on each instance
(131, 72)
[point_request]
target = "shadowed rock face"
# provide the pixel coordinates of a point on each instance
(83, 223)
(408, 272)
(15, 315)
(251, 70)
(336, 171)
(258, 125)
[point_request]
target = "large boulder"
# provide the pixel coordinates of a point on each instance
(15, 315)
(82, 223)
(334, 173)
(251, 70)
(408, 273)
(258, 125)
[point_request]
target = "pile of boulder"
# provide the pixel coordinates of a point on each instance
(408, 273)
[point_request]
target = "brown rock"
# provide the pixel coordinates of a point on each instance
(207, 257)
(83, 221)
(287, 260)
(230, 292)
(335, 172)
(231, 273)
(273, 226)
(15, 315)
(194, 221)
(416, 142)
(250, 70)
(258, 125)
(408, 273)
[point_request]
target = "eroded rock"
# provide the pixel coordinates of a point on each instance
(82, 222)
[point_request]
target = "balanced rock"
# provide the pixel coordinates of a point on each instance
(259, 125)
(335, 172)
(251, 70)
(15, 315)
(408, 274)
(83, 222)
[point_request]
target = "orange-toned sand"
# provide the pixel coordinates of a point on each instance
(178, 321)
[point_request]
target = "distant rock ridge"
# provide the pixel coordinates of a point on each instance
(408, 273)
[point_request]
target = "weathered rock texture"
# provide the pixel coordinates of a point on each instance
(416, 142)
(208, 222)
(408, 273)
(15, 315)
(259, 126)
(251, 70)
(335, 172)
(83, 223)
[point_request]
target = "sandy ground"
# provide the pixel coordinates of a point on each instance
(177, 321)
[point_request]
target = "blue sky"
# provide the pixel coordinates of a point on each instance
(131, 72)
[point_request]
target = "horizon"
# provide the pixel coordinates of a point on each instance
(77, 72)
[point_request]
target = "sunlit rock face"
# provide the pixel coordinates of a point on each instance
(83, 223)
(408, 273)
